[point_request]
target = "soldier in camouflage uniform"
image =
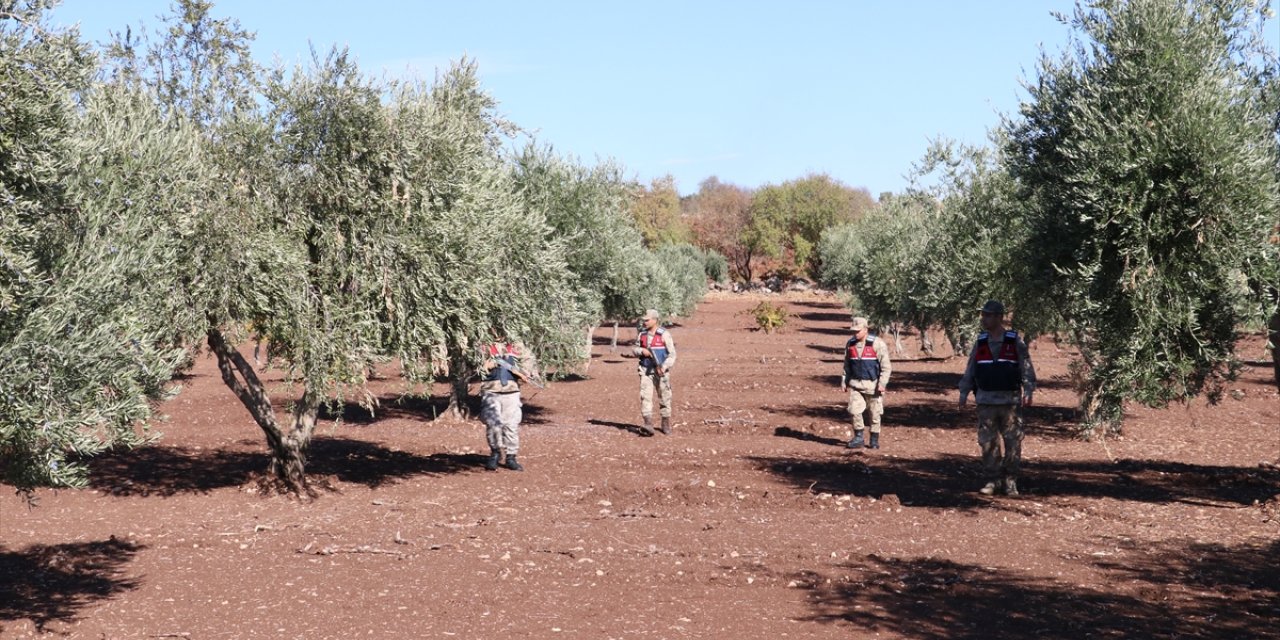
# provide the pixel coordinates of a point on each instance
(866, 374)
(1002, 379)
(656, 349)
(500, 404)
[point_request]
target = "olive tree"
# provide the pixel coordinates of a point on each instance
(931, 256)
(91, 179)
(879, 260)
(686, 265)
(1149, 167)
(587, 208)
(475, 261)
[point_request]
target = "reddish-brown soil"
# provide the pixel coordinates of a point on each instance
(750, 521)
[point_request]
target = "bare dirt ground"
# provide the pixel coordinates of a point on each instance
(750, 521)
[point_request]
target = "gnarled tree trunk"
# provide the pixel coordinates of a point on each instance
(959, 341)
(288, 462)
(926, 342)
(460, 376)
(895, 329)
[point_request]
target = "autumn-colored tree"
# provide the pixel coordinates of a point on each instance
(718, 214)
(657, 213)
(787, 220)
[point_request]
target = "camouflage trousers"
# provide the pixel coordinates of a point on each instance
(649, 382)
(1000, 437)
(501, 415)
(861, 402)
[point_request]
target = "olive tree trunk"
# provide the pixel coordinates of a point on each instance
(288, 460)
(1273, 334)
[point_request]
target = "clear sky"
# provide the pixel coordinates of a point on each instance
(753, 92)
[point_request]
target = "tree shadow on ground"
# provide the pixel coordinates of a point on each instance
(1157, 481)
(53, 583)
(932, 382)
(825, 316)
(917, 415)
(1243, 575)
(621, 426)
(950, 481)
(169, 471)
(831, 350)
(624, 342)
(937, 599)
(830, 380)
(1059, 423)
(828, 411)
(409, 407)
(788, 432)
(828, 331)
(946, 482)
(818, 304)
(948, 382)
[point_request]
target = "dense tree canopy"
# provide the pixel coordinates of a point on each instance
(91, 178)
(1148, 164)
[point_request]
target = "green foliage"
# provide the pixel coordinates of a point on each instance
(197, 65)
(686, 266)
(1150, 167)
(716, 266)
(788, 220)
(765, 234)
(86, 195)
(656, 210)
(478, 257)
(332, 154)
(769, 317)
(881, 261)
(345, 220)
(587, 210)
(931, 257)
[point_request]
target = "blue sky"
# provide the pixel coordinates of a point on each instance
(753, 92)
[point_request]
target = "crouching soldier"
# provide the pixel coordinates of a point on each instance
(656, 350)
(1000, 371)
(866, 374)
(500, 405)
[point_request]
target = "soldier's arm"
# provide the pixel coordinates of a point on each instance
(847, 372)
(966, 381)
(1028, 371)
(487, 363)
(671, 352)
(886, 367)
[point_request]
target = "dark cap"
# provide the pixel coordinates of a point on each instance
(993, 306)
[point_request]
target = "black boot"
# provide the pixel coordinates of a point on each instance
(666, 426)
(857, 440)
(512, 463)
(492, 463)
(875, 441)
(647, 428)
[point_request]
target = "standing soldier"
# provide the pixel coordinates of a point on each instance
(866, 374)
(500, 406)
(657, 352)
(1000, 370)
